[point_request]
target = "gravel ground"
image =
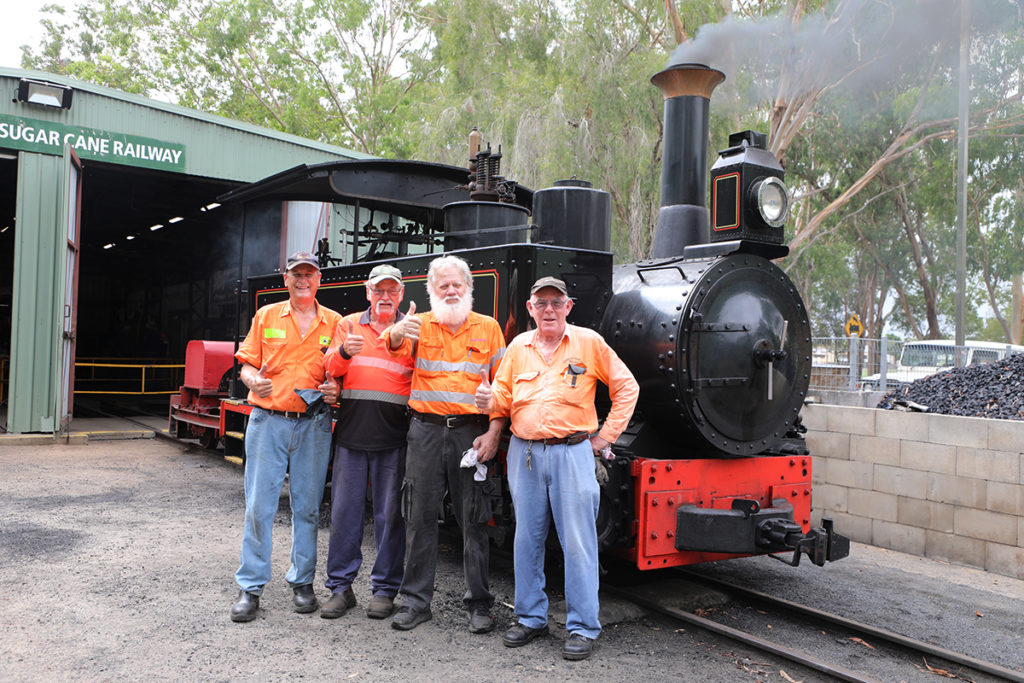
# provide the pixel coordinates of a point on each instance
(117, 562)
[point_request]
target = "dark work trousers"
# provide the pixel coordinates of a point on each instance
(386, 470)
(432, 462)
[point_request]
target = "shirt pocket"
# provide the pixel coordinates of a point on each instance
(526, 387)
(573, 388)
(430, 357)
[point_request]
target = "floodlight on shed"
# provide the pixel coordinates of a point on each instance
(156, 227)
(210, 207)
(44, 93)
(176, 219)
(108, 246)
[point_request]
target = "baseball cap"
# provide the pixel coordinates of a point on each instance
(302, 257)
(549, 282)
(384, 272)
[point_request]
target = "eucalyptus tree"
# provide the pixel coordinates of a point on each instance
(339, 71)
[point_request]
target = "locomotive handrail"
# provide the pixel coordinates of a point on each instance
(640, 274)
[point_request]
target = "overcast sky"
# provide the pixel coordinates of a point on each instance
(19, 25)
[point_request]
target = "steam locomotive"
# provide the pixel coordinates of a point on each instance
(713, 464)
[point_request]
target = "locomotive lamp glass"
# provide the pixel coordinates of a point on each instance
(772, 201)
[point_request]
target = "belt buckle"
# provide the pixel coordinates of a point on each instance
(449, 421)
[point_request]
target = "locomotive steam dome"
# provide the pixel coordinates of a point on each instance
(720, 347)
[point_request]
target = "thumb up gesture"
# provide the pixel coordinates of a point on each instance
(406, 328)
(353, 340)
(483, 394)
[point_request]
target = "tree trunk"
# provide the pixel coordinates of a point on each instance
(1017, 308)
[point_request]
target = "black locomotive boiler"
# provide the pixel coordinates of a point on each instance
(714, 464)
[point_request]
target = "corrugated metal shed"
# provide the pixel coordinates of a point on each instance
(211, 147)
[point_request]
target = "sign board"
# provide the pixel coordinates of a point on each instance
(48, 137)
(854, 327)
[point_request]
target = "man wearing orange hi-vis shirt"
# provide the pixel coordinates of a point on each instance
(287, 433)
(546, 385)
(369, 443)
(451, 347)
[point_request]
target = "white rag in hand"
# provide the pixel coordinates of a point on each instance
(469, 459)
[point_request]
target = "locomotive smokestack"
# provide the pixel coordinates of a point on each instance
(683, 217)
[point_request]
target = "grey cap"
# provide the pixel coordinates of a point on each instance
(384, 272)
(300, 257)
(549, 282)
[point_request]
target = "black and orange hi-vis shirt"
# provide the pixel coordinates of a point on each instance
(448, 364)
(293, 360)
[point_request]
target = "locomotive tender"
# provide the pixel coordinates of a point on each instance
(714, 463)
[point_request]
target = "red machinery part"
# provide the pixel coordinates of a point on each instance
(205, 364)
(662, 486)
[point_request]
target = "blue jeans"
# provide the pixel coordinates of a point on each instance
(386, 470)
(275, 445)
(561, 477)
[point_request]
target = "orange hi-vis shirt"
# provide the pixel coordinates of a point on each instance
(553, 399)
(448, 365)
(372, 374)
(293, 360)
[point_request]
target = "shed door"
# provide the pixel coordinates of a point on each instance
(72, 210)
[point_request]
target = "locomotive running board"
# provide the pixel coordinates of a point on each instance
(748, 529)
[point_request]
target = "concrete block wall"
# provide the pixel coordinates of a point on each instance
(939, 486)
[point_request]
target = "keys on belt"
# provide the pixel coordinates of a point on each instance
(571, 440)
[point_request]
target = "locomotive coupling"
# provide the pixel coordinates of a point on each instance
(749, 529)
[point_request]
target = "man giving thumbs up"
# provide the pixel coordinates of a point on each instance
(452, 347)
(369, 443)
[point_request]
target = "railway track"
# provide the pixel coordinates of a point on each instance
(900, 657)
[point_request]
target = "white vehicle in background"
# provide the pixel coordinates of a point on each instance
(926, 357)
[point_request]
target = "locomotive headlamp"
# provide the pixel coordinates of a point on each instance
(749, 198)
(772, 201)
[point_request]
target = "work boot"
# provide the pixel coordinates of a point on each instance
(480, 621)
(245, 607)
(408, 618)
(577, 647)
(304, 598)
(338, 604)
(380, 607)
(520, 635)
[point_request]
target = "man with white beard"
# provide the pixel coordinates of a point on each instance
(452, 347)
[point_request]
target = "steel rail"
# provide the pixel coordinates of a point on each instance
(797, 656)
(865, 629)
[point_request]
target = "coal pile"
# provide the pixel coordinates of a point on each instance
(994, 390)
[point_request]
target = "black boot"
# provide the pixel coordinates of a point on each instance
(304, 599)
(245, 608)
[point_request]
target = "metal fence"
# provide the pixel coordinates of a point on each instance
(842, 363)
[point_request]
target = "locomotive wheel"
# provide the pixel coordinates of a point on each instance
(209, 438)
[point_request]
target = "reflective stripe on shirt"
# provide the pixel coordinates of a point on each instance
(444, 397)
(370, 395)
(381, 363)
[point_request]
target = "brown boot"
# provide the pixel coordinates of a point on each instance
(338, 604)
(380, 607)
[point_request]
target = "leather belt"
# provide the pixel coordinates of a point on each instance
(570, 440)
(450, 421)
(290, 414)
